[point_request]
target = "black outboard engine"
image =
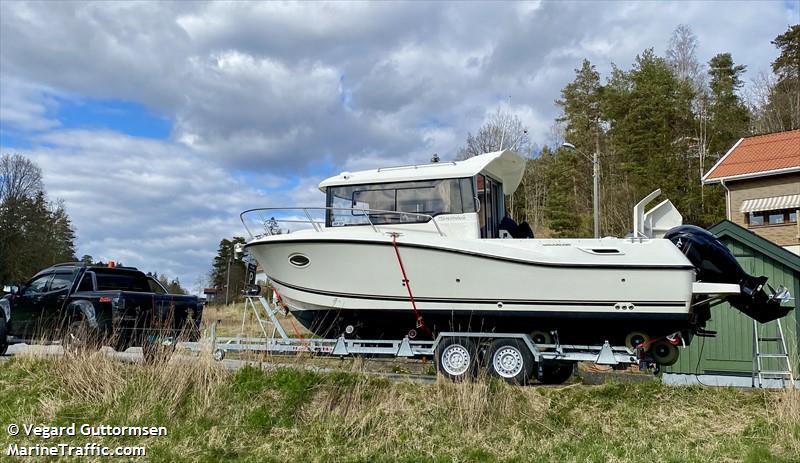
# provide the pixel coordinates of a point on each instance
(716, 264)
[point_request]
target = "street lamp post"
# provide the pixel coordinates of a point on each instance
(228, 280)
(596, 186)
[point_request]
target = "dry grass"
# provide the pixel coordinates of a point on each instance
(229, 321)
(296, 415)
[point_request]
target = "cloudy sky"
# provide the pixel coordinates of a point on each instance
(157, 123)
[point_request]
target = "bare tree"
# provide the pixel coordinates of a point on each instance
(503, 131)
(682, 55)
(769, 112)
(19, 178)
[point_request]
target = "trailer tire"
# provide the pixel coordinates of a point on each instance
(3, 336)
(664, 352)
(456, 358)
(511, 360)
(541, 337)
(634, 339)
(555, 372)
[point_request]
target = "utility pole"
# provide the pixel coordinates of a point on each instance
(595, 177)
(596, 192)
(228, 280)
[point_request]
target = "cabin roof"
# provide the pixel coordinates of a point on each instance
(506, 166)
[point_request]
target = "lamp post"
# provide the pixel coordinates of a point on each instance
(228, 280)
(596, 186)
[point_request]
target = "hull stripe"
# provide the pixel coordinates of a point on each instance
(481, 301)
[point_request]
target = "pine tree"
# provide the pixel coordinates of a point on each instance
(219, 270)
(34, 233)
(785, 97)
(583, 127)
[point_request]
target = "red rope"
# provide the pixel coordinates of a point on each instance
(674, 341)
(291, 320)
(420, 322)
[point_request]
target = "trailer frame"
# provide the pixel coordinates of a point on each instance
(277, 341)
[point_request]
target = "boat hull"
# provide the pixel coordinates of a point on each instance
(482, 287)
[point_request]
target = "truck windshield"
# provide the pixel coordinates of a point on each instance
(429, 197)
(122, 281)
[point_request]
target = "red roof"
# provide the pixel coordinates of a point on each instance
(758, 156)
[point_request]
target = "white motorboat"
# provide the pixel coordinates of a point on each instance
(415, 250)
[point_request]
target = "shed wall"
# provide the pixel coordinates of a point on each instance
(731, 352)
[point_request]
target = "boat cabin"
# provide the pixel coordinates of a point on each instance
(464, 199)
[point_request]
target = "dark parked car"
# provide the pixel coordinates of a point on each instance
(78, 303)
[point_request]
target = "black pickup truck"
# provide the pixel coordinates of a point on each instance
(117, 306)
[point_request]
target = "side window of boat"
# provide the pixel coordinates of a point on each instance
(429, 197)
(381, 200)
(467, 195)
(490, 198)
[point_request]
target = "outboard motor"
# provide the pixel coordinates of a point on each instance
(716, 264)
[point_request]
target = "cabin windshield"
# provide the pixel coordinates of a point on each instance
(429, 197)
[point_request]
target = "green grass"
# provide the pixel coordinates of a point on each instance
(297, 415)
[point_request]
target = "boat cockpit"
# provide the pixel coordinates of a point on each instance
(465, 199)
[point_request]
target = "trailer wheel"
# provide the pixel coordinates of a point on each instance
(555, 372)
(3, 336)
(511, 360)
(218, 355)
(635, 339)
(541, 337)
(664, 353)
(456, 358)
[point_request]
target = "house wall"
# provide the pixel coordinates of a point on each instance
(787, 235)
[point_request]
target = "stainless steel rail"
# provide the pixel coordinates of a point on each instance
(319, 225)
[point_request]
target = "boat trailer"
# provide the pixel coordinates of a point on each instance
(514, 357)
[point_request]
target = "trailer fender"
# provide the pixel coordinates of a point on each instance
(6, 307)
(86, 309)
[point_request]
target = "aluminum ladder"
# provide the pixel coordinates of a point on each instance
(784, 371)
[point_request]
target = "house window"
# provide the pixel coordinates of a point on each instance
(779, 217)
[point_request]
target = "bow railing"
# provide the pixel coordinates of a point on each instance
(269, 219)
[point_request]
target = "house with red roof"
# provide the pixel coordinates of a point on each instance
(761, 177)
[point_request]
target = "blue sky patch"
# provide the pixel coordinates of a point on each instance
(121, 116)
(11, 139)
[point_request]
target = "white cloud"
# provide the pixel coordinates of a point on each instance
(261, 95)
(155, 205)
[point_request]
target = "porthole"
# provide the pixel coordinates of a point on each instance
(299, 260)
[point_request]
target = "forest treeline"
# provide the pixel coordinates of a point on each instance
(660, 124)
(36, 232)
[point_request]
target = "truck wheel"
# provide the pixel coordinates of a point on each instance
(511, 360)
(456, 358)
(79, 338)
(3, 336)
(556, 372)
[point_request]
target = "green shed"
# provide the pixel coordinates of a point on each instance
(727, 359)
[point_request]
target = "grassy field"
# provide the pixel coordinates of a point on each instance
(294, 415)
(229, 321)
